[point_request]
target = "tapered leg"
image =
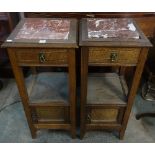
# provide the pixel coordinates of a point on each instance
(84, 79)
(22, 90)
(72, 90)
(133, 90)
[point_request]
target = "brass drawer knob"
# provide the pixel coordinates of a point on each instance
(88, 117)
(113, 56)
(42, 58)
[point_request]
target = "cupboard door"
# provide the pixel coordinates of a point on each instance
(103, 114)
(52, 114)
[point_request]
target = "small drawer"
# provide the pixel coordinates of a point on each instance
(113, 56)
(54, 114)
(42, 56)
(102, 114)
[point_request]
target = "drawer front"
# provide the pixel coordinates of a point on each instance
(50, 114)
(96, 115)
(42, 56)
(119, 56)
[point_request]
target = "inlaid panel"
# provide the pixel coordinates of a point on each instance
(128, 56)
(42, 56)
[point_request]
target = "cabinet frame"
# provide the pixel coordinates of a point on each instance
(143, 44)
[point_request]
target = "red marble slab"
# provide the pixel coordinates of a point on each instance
(44, 29)
(112, 28)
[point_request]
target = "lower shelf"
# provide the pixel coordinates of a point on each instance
(106, 88)
(48, 88)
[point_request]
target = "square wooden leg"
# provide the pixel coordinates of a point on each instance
(72, 91)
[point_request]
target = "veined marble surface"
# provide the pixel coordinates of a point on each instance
(44, 29)
(111, 28)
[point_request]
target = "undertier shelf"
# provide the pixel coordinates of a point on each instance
(49, 88)
(106, 88)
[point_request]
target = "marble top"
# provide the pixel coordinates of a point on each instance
(44, 29)
(111, 28)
